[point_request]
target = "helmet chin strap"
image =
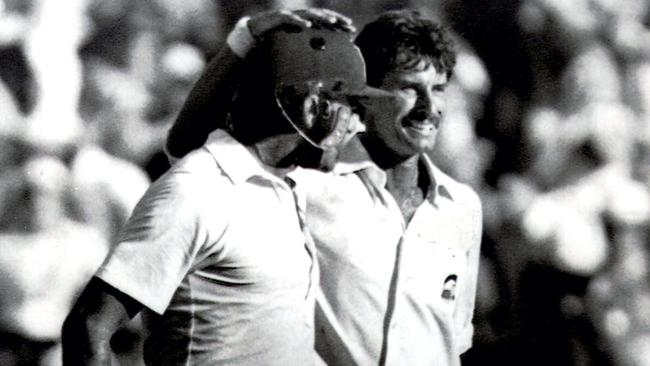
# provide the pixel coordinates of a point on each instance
(294, 125)
(342, 126)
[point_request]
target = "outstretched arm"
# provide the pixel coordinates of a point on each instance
(209, 101)
(88, 329)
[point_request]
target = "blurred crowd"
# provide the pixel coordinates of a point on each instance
(548, 119)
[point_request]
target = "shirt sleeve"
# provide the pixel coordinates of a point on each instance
(158, 244)
(467, 295)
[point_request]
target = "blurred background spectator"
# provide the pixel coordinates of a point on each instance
(548, 118)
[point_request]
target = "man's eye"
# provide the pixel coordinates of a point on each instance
(408, 89)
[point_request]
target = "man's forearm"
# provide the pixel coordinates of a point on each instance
(85, 344)
(96, 316)
(207, 105)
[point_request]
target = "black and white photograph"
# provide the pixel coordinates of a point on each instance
(324, 182)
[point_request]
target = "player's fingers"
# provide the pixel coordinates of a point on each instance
(314, 14)
(326, 18)
(343, 121)
(356, 126)
(342, 118)
(339, 18)
(262, 23)
(327, 119)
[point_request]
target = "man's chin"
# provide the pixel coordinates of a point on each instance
(422, 144)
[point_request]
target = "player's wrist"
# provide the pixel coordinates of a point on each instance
(240, 40)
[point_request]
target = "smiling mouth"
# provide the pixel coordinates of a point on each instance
(422, 126)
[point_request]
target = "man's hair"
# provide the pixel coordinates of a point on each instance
(401, 40)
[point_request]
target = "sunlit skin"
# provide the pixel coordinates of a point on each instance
(412, 124)
(402, 128)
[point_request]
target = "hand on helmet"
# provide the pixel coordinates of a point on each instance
(250, 30)
(333, 125)
(340, 122)
(262, 23)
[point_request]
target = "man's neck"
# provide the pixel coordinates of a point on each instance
(403, 179)
(408, 186)
(401, 171)
(382, 155)
(403, 175)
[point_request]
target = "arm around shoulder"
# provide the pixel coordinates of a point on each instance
(207, 105)
(88, 329)
(209, 102)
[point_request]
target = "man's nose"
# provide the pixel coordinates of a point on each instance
(429, 106)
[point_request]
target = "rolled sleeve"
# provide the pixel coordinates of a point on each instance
(157, 246)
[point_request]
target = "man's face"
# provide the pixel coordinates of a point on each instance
(410, 124)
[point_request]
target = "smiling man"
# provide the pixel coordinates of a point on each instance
(397, 239)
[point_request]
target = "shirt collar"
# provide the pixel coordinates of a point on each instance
(439, 181)
(236, 160)
(355, 158)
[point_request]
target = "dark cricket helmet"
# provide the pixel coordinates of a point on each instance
(298, 74)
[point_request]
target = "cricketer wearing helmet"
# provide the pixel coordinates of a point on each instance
(214, 255)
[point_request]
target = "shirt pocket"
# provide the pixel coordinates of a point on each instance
(434, 270)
